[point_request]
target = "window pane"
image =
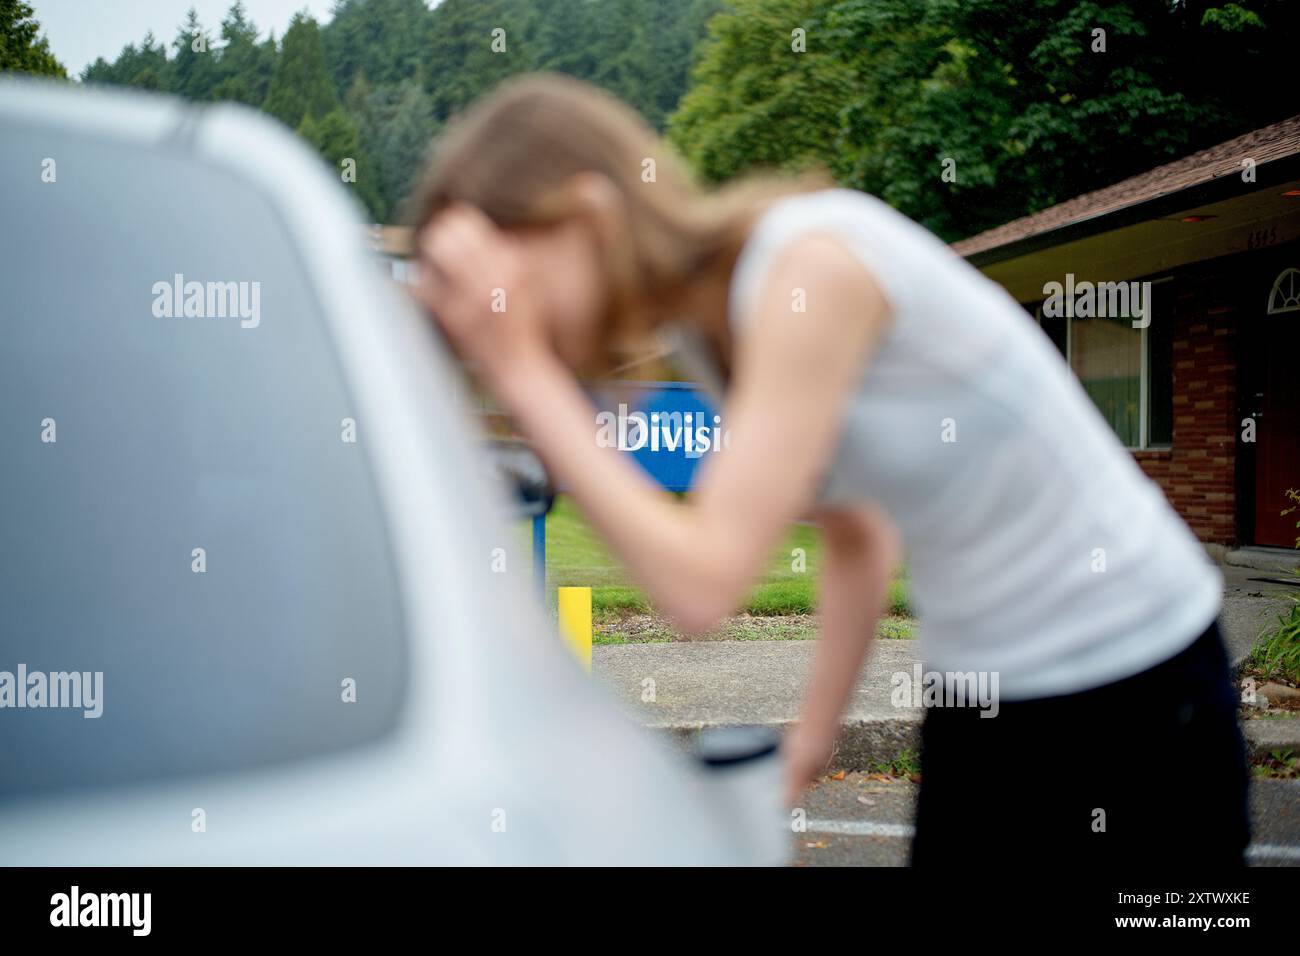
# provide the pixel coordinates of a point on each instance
(1107, 357)
(175, 434)
(1160, 382)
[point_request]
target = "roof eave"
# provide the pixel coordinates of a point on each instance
(1229, 186)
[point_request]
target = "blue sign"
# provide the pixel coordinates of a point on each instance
(668, 428)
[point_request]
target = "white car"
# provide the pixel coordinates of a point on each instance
(241, 502)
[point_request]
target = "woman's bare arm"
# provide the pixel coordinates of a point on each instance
(860, 549)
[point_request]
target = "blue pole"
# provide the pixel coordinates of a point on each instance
(539, 553)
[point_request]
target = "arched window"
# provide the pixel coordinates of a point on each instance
(1285, 294)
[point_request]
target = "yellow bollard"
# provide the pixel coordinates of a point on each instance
(574, 606)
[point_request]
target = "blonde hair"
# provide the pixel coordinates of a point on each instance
(514, 152)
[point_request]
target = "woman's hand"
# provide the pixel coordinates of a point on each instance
(805, 753)
(474, 281)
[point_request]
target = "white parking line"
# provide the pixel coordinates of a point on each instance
(1271, 851)
(902, 831)
(861, 828)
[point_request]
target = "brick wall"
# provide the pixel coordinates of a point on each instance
(1198, 475)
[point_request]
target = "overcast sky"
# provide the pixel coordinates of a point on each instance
(81, 30)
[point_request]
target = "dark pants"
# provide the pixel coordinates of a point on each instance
(1159, 754)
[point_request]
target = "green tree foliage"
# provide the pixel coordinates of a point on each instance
(396, 123)
(394, 70)
(641, 50)
(754, 100)
(1016, 97)
(22, 48)
(336, 138)
(144, 66)
(388, 40)
(244, 66)
(462, 60)
(194, 67)
(300, 86)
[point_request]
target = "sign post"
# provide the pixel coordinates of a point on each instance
(539, 554)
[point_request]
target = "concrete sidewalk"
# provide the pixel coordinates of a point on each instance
(1251, 602)
(681, 687)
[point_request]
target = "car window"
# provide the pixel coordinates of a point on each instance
(182, 507)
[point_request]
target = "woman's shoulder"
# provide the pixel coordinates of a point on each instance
(802, 226)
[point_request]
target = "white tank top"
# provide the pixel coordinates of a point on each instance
(1036, 546)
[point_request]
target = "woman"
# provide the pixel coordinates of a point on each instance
(874, 381)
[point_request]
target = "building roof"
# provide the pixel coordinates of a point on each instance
(1269, 143)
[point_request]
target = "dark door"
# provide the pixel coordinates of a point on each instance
(1277, 461)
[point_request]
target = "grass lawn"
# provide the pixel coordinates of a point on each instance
(576, 557)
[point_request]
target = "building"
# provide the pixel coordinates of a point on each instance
(395, 246)
(1205, 386)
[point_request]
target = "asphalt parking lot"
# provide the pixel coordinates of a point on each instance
(866, 820)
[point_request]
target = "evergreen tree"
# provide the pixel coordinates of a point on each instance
(300, 86)
(336, 138)
(622, 49)
(194, 68)
(401, 142)
(563, 38)
(244, 66)
(145, 66)
(462, 60)
(22, 48)
(406, 65)
(387, 39)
